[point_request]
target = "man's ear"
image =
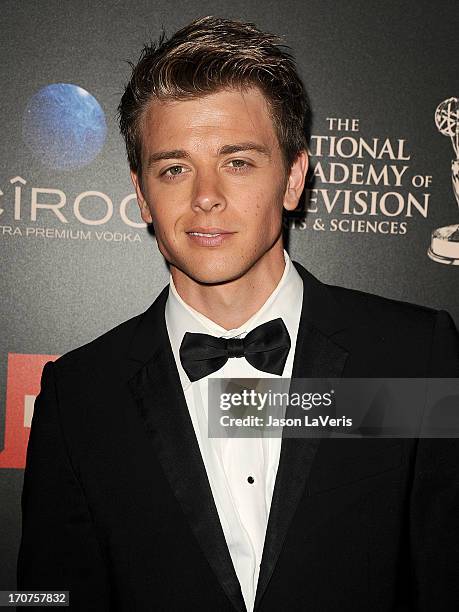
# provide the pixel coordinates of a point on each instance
(296, 180)
(144, 208)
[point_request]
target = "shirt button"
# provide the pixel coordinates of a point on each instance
(250, 480)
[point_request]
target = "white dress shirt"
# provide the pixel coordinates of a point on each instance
(243, 507)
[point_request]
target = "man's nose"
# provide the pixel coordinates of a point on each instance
(207, 192)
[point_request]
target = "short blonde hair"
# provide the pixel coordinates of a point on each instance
(211, 54)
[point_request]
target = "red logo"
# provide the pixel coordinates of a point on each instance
(22, 387)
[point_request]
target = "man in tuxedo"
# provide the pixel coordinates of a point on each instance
(127, 502)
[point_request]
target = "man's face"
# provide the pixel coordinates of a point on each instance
(213, 165)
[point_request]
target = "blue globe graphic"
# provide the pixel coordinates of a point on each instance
(64, 126)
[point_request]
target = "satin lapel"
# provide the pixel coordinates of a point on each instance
(162, 406)
(316, 356)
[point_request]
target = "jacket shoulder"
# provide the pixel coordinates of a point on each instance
(382, 311)
(105, 347)
(394, 338)
(336, 307)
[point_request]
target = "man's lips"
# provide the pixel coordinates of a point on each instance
(208, 231)
(209, 236)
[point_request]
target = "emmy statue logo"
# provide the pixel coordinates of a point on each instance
(444, 245)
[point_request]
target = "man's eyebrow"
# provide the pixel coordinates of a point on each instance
(173, 154)
(244, 146)
(224, 150)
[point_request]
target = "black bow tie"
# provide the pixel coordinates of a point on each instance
(266, 348)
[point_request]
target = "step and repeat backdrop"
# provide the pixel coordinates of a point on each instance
(380, 208)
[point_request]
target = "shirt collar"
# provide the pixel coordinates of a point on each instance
(182, 318)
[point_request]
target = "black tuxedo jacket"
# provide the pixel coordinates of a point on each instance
(118, 510)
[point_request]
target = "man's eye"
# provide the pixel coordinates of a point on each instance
(238, 163)
(174, 171)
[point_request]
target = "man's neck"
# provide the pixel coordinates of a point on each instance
(233, 303)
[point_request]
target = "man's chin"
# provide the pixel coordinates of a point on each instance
(214, 278)
(223, 272)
